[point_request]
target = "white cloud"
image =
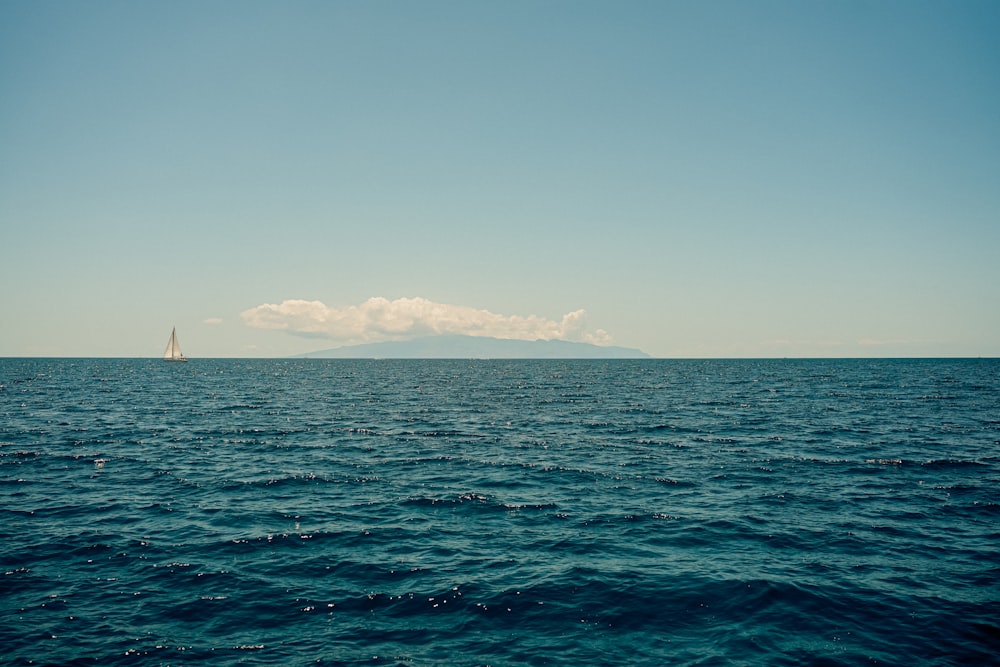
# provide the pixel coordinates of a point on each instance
(212, 320)
(379, 319)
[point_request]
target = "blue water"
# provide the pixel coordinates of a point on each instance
(356, 512)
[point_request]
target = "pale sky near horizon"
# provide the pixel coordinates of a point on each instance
(694, 179)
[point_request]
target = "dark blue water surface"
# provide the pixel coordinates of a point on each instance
(348, 512)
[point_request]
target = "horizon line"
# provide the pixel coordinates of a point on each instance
(305, 356)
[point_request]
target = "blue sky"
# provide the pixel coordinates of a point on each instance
(695, 179)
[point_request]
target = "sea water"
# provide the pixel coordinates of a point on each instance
(366, 512)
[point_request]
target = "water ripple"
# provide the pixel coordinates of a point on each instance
(515, 512)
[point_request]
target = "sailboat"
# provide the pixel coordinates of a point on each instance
(173, 352)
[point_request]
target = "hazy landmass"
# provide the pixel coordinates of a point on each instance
(476, 347)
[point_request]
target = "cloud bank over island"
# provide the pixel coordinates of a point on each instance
(379, 319)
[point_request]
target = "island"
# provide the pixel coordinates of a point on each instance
(476, 347)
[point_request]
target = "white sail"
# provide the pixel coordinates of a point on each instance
(173, 352)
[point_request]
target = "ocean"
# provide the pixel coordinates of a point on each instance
(524, 512)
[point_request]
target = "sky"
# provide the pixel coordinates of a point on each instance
(693, 179)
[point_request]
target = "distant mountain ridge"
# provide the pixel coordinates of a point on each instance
(476, 347)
